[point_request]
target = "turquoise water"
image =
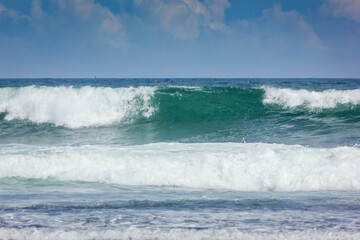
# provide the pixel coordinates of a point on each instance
(193, 158)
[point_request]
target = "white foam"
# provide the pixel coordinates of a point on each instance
(76, 107)
(311, 99)
(235, 166)
(144, 233)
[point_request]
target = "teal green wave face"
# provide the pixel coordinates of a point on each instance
(207, 104)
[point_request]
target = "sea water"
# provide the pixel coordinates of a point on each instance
(186, 159)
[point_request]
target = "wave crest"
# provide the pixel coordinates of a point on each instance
(98, 106)
(76, 107)
(327, 99)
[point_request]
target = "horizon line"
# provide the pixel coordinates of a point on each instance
(98, 78)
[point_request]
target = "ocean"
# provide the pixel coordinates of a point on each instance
(181, 159)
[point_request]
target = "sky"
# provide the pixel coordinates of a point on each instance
(180, 38)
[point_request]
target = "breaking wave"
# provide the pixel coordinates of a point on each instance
(233, 166)
(100, 106)
(327, 99)
(76, 107)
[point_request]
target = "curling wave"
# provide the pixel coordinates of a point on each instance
(291, 98)
(235, 166)
(76, 107)
(99, 106)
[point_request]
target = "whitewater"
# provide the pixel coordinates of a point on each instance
(231, 166)
(194, 158)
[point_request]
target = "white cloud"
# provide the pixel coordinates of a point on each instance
(107, 23)
(290, 24)
(60, 3)
(6, 13)
(92, 19)
(276, 33)
(184, 18)
(349, 9)
(36, 11)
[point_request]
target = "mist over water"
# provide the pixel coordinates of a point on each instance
(190, 158)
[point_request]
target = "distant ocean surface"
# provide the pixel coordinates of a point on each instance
(180, 159)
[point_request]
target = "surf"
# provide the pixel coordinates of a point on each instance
(291, 98)
(75, 107)
(143, 233)
(229, 166)
(88, 106)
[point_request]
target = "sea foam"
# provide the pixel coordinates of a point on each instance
(76, 107)
(234, 166)
(143, 233)
(327, 99)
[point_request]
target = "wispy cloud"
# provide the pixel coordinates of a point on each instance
(185, 18)
(6, 13)
(36, 10)
(107, 24)
(349, 9)
(290, 23)
(91, 20)
(277, 27)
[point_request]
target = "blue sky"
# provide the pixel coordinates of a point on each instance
(179, 38)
